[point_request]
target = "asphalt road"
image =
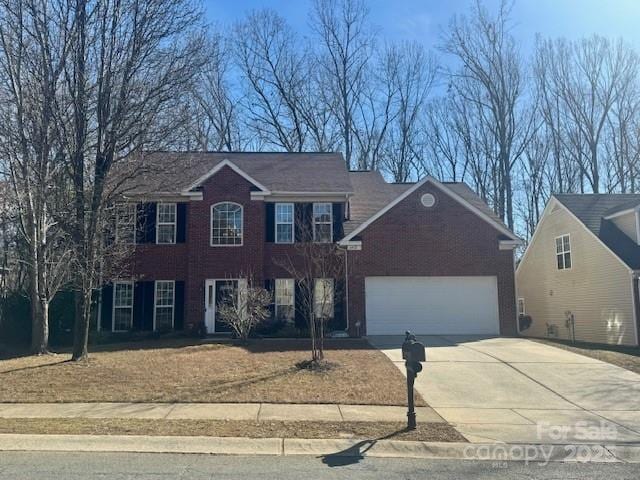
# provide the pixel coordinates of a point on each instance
(103, 466)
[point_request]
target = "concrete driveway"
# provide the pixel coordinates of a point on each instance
(515, 390)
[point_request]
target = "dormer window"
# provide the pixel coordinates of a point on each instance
(226, 225)
(563, 252)
(322, 222)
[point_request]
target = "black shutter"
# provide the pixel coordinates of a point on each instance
(269, 221)
(146, 224)
(178, 319)
(138, 306)
(338, 321)
(106, 313)
(300, 315)
(148, 305)
(181, 219)
(304, 222)
(338, 217)
(270, 286)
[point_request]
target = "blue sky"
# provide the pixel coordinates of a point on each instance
(422, 20)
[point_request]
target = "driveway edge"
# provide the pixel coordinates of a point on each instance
(325, 448)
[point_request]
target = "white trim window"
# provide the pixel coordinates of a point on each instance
(226, 224)
(284, 213)
(563, 252)
(521, 307)
(126, 223)
(122, 315)
(322, 222)
(323, 293)
(164, 305)
(166, 221)
(285, 299)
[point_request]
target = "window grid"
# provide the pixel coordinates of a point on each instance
(323, 293)
(563, 252)
(521, 309)
(166, 220)
(122, 306)
(226, 224)
(322, 222)
(284, 222)
(126, 223)
(284, 299)
(164, 305)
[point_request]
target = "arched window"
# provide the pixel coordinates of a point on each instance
(226, 224)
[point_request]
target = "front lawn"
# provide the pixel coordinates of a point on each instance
(625, 357)
(187, 370)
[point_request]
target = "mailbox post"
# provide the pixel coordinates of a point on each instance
(413, 353)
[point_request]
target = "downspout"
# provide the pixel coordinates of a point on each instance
(346, 283)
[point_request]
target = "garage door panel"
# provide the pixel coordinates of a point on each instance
(432, 305)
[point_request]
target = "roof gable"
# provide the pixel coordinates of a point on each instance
(466, 197)
(220, 166)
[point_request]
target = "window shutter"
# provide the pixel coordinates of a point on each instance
(147, 297)
(270, 221)
(181, 222)
(338, 217)
(304, 222)
(270, 286)
(300, 317)
(178, 319)
(138, 306)
(146, 224)
(107, 308)
(338, 321)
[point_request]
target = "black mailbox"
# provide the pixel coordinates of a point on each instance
(413, 352)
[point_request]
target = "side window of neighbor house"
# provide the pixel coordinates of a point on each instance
(166, 222)
(126, 223)
(563, 252)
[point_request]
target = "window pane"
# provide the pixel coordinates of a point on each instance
(164, 318)
(284, 233)
(322, 212)
(122, 318)
(166, 213)
(227, 224)
(323, 298)
(322, 232)
(558, 245)
(123, 296)
(284, 213)
(560, 262)
(164, 294)
(166, 233)
(565, 241)
(567, 260)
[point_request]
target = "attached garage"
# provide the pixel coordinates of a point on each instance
(432, 305)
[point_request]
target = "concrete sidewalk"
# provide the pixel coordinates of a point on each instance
(327, 449)
(218, 411)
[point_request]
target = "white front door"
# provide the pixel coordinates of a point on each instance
(215, 291)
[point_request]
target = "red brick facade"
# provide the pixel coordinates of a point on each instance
(445, 240)
(409, 240)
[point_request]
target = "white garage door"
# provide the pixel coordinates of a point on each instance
(432, 305)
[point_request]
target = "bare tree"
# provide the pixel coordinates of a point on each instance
(130, 60)
(345, 42)
(490, 77)
(247, 309)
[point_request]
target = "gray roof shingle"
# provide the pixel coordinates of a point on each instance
(172, 172)
(591, 210)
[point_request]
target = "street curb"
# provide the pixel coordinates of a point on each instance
(326, 448)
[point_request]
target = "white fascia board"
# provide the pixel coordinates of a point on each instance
(623, 212)
(508, 244)
(445, 190)
(220, 166)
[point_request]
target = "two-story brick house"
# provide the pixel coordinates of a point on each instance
(429, 256)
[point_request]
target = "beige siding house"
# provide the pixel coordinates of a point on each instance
(578, 276)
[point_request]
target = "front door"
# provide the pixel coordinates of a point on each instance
(215, 293)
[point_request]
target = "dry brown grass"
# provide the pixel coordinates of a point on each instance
(622, 356)
(186, 370)
(430, 432)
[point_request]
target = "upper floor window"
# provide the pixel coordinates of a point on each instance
(226, 224)
(166, 223)
(126, 223)
(322, 222)
(284, 222)
(563, 252)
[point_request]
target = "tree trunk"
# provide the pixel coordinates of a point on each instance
(81, 330)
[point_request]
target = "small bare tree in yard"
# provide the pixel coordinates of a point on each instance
(246, 310)
(315, 267)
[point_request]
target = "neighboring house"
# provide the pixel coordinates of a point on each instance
(429, 256)
(578, 278)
